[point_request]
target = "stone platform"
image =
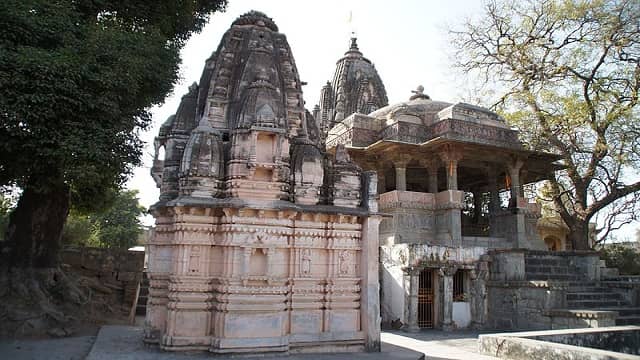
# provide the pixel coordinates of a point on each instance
(125, 342)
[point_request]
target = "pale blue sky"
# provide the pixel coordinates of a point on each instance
(406, 40)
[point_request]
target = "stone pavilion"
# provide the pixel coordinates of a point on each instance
(452, 176)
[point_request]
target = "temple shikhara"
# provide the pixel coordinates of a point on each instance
(282, 229)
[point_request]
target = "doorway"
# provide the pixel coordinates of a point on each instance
(425, 299)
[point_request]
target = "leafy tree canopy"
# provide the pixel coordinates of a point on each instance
(117, 226)
(625, 258)
(567, 73)
(77, 79)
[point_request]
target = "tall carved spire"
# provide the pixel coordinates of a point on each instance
(356, 88)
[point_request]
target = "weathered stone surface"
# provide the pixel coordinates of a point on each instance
(593, 344)
(356, 88)
(265, 242)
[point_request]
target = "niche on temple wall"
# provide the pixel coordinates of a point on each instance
(195, 260)
(461, 312)
(262, 174)
(265, 148)
(216, 263)
(258, 262)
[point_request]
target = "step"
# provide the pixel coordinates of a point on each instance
(546, 261)
(594, 296)
(628, 320)
(549, 270)
(564, 277)
(597, 304)
(625, 311)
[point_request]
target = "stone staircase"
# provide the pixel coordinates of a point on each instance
(141, 306)
(603, 298)
(611, 294)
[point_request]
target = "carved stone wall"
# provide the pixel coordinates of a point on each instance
(240, 280)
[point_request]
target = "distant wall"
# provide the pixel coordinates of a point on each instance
(116, 270)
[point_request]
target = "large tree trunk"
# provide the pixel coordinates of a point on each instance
(579, 235)
(35, 227)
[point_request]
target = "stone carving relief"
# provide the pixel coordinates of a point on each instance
(305, 262)
(345, 263)
(194, 260)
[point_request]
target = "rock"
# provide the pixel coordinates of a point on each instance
(57, 332)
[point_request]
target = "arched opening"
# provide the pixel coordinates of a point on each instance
(160, 154)
(553, 243)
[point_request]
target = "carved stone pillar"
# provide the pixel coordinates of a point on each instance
(478, 290)
(447, 297)
(450, 156)
(400, 165)
(432, 169)
(382, 183)
(514, 168)
(494, 197)
(412, 318)
(370, 303)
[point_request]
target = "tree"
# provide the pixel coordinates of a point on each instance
(79, 230)
(76, 81)
(567, 73)
(625, 258)
(117, 226)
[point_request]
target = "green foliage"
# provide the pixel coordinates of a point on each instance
(79, 230)
(625, 258)
(76, 81)
(117, 226)
(566, 74)
(5, 209)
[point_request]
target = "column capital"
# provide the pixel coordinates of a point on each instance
(401, 160)
(448, 270)
(450, 153)
(515, 164)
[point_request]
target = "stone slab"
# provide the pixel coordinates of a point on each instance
(547, 344)
(116, 342)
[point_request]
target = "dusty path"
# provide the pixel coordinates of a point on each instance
(71, 348)
(116, 342)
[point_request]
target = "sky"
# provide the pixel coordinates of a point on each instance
(407, 40)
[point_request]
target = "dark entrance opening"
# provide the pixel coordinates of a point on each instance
(425, 299)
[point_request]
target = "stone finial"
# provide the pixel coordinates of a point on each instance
(354, 44)
(418, 93)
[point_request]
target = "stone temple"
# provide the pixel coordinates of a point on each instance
(280, 229)
(263, 242)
